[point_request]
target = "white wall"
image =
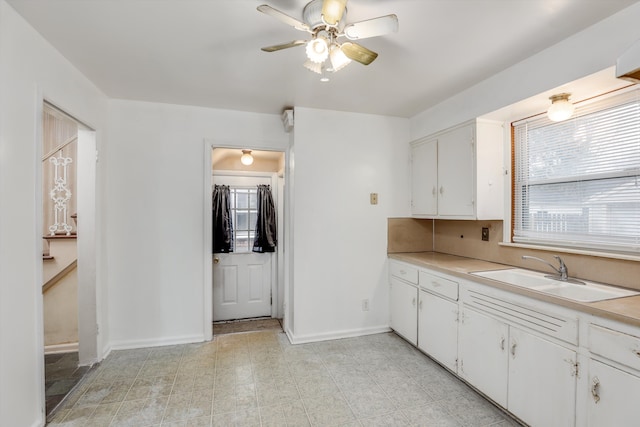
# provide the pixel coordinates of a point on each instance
(580, 55)
(155, 209)
(340, 240)
(29, 70)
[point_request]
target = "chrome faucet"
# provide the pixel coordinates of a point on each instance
(561, 270)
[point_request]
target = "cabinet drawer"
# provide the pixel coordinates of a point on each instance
(404, 272)
(438, 285)
(614, 345)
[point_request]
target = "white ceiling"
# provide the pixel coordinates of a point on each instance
(207, 52)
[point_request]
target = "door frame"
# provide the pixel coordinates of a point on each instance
(90, 345)
(284, 256)
(275, 278)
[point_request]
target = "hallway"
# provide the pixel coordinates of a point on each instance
(260, 379)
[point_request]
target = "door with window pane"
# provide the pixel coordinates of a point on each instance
(242, 279)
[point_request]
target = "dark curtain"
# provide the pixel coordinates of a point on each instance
(222, 223)
(266, 238)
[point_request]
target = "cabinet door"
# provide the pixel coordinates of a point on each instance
(542, 380)
(613, 398)
(456, 171)
(438, 329)
(482, 350)
(404, 310)
(424, 178)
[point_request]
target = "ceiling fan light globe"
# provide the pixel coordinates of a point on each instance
(317, 50)
(338, 59)
(316, 67)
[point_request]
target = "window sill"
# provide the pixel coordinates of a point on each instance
(573, 251)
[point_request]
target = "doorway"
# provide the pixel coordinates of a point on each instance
(66, 218)
(246, 284)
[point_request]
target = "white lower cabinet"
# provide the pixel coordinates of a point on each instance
(614, 397)
(546, 364)
(404, 309)
(438, 329)
(482, 353)
(614, 377)
(518, 370)
(542, 380)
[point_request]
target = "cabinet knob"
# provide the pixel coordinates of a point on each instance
(216, 260)
(595, 389)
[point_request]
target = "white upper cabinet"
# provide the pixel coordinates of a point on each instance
(458, 173)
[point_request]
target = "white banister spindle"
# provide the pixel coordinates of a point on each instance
(60, 195)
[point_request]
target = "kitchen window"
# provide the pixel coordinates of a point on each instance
(577, 182)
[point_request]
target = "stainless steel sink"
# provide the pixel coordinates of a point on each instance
(583, 291)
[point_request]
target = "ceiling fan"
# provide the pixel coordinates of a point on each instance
(325, 20)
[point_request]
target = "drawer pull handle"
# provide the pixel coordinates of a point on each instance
(595, 389)
(435, 284)
(636, 352)
(433, 191)
(420, 305)
(513, 348)
(413, 302)
(502, 344)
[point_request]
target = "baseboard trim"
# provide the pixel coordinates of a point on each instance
(152, 342)
(335, 335)
(61, 348)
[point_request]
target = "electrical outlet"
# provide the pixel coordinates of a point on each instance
(485, 234)
(373, 198)
(365, 305)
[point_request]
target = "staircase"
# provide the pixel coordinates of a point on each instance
(60, 293)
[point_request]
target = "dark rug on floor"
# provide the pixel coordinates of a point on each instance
(245, 325)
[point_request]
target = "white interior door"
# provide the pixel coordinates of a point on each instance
(242, 280)
(241, 286)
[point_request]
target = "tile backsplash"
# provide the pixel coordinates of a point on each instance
(464, 238)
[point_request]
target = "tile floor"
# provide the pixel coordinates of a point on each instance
(260, 379)
(61, 373)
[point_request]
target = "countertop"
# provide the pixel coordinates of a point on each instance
(625, 310)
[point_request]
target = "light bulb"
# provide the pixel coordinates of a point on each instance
(338, 59)
(246, 158)
(317, 50)
(316, 67)
(560, 109)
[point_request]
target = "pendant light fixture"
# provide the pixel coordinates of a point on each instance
(246, 158)
(560, 109)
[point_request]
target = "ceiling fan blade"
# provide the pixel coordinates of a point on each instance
(372, 27)
(332, 10)
(278, 47)
(358, 53)
(283, 17)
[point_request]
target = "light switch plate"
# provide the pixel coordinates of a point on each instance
(373, 197)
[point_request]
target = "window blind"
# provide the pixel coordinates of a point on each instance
(577, 182)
